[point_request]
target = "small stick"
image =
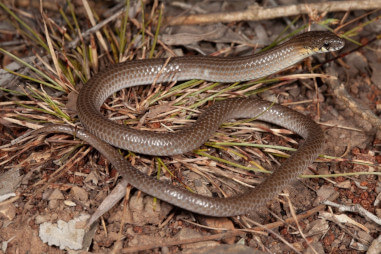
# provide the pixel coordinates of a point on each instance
(259, 13)
(185, 241)
(355, 209)
(298, 217)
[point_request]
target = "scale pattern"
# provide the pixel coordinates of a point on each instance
(104, 132)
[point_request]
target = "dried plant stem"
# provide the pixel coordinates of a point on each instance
(182, 242)
(260, 13)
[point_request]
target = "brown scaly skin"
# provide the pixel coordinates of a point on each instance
(216, 69)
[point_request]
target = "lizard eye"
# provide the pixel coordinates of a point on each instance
(326, 45)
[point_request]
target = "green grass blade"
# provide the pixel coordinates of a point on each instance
(53, 84)
(123, 30)
(42, 43)
(156, 33)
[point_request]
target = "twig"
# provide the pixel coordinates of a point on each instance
(293, 214)
(298, 217)
(96, 28)
(355, 209)
(260, 13)
(287, 20)
(264, 227)
(185, 241)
